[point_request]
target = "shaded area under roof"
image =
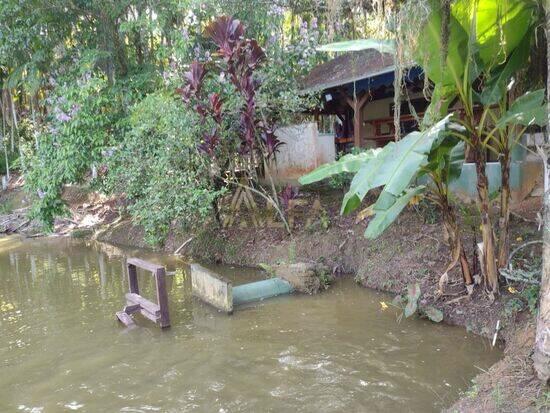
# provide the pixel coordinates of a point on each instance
(348, 68)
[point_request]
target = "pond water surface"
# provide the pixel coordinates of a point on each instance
(61, 348)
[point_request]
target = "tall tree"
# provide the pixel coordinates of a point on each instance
(541, 357)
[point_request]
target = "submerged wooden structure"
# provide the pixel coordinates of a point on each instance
(135, 303)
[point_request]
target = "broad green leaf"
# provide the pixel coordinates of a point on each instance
(395, 167)
(347, 163)
(383, 46)
(500, 25)
(387, 208)
(366, 179)
(483, 34)
(446, 159)
(495, 88)
(430, 44)
(455, 162)
(526, 110)
(405, 161)
(433, 314)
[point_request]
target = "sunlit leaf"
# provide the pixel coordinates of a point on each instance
(395, 167)
(496, 86)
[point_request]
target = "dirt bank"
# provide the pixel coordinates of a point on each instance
(410, 251)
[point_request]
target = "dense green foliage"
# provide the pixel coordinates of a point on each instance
(77, 130)
(76, 80)
(158, 168)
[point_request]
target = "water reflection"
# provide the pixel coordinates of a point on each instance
(62, 349)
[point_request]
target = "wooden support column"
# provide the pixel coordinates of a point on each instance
(132, 279)
(357, 105)
(162, 297)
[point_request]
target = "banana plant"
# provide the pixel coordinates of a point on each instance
(487, 43)
(434, 153)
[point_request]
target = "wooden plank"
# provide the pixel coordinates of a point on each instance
(145, 304)
(125, 318)
(130, 309)
(149, 266)
(154, 318)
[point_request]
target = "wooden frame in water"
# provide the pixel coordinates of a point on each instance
(156, 312)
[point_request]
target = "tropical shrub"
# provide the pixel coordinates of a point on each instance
(158, 169)
(485, 43)
(78, 128)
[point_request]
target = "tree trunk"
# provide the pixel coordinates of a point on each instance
(455, 241)
(541, 357)
(504, 219)
(489, 267)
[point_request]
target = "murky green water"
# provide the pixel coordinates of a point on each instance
(61, 348)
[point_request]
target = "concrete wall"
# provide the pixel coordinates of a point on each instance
(212, 288)
(304, 150)
(524, 176)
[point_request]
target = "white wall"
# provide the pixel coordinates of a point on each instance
(304, 150)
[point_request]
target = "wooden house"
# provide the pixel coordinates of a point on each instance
(358, 98)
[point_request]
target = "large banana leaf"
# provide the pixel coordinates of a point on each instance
(483, 32)
(367, 177)
(383, 46)
(526, 110)
(395, 167)
(387, 208)
(500, 25)
(428, 53)
(446, 159)
(496, 85)
(347, 163)
(453, 166)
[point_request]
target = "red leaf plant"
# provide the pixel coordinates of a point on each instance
(240, 58)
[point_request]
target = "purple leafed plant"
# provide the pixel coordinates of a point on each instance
(240, 57)
(211, 107)
(271, 142)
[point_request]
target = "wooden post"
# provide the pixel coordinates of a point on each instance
(162, 297)
(132, 279)
(541, 356)
(357, 106)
